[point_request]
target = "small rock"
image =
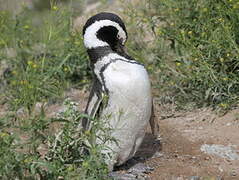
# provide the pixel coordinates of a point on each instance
(212, 178)
(178, 178)
(157, 154)
(233, 173)
(205, 178)
(220, 169)
(21, 111)
(207, 158)
(119, 176)
(140, 168)
(229, 124)
(193, 157)
(60, 178)
(226, 152)
(38, 107)
(194, 178)
(138, 171)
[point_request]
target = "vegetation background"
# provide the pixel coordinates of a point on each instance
(190, 48)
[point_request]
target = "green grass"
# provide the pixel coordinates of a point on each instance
(49, 57)
(195, 50)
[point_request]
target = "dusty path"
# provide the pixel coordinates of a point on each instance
(179, 157)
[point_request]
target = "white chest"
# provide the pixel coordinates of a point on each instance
(128, 82)
(129, 95)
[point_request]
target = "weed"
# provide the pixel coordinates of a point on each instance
(195, 48)
(77, 149)
(72, 153)
(48, 57)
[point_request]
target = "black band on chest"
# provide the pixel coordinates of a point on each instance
(97, 53)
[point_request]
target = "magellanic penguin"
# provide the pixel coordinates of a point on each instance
(124, 81)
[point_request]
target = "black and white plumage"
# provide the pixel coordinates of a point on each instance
(123, 80)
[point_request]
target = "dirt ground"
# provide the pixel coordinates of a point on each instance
(178, 155)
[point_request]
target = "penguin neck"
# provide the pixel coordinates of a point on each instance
(99, 52)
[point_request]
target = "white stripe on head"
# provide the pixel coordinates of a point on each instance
(90, 36)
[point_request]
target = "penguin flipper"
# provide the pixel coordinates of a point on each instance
(93, 104)
(154, 123)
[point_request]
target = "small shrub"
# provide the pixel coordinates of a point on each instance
(195, 49)
(77, 151)
(72, 153)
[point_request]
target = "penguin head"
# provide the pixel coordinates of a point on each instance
(105, 29)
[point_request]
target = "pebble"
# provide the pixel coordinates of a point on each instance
(207, 158)
(193, 157)
(229, 124)
(227, 152)
(119, 176)
(194, 178)
(140, 168)
(205, 178)
(220, 169)
(157, 155)
(233, 173)
(137, 172)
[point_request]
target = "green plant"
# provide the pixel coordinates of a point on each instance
(72, 153)
(195, 49)
(11, 163)
(76, 149)
(46, 57)
(49, 56)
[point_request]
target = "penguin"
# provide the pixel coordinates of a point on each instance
(121, 91)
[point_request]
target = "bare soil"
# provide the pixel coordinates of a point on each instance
(179, 156)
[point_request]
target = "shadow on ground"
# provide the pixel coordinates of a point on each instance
(148, 148)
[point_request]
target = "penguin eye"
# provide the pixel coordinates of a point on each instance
(121, 39)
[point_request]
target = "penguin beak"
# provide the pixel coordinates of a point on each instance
(120, 48)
